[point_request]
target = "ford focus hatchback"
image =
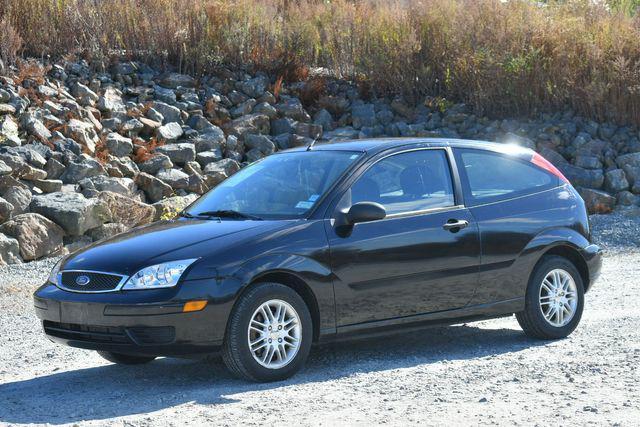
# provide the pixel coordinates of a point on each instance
(312, 244)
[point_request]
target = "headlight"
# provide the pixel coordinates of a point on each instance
(53, 276)
(163, 275)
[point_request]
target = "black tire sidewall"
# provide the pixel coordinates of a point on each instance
(532, 303)
(261, 294)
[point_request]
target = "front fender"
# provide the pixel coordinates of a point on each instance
(315, 275)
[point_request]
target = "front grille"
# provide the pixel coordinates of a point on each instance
(98, 282)
(100, 334)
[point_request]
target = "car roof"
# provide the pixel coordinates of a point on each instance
(374, 145)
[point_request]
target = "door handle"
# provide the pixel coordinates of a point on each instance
(455, 225)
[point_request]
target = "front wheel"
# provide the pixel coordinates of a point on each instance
(554, 300)
(125, 359)
(269, 334)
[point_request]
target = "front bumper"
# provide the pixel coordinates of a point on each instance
(137, 322)
(592, 255)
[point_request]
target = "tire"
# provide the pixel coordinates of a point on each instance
(125, 359)
(539, 320)
(236, 352)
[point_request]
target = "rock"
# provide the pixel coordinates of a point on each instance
(629, 160)
(243, 108)
(171, 207)
(336, 105)
(36, 235)
(75, 172)
(555, 158)
(164, 95)
(255, 87)
(85, 95)
(615, 180)
(174, 80)
(127, 211)
(583, 177)
(48, 185)
(154, 188)
(323, 118)
(283, 125)
(37, 129)
(5, 169)
(72, 211)
(627, 198)
(7, 109)
(75, 243)
(219, 171)
(174, 177)
(597, 201)
(124, 186)
(9, 251)
(308, 130)
(156, 163)
(363, 115)
(292, 107)
(19, 197)
(111, 101)
(169, 112)
(169, 132)
(266, 109)
(259, 142)
(106, 231)
(83, 133)
(6, 209)
(4, 96)
(587, 162)
(54, 169)
(118, 145)
(9, 132)
(249, 124)
(179, 154)
(205, 157)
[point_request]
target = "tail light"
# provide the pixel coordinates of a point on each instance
(545, 164)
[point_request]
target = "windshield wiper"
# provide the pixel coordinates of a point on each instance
(226, 213)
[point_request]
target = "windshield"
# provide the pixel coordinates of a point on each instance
(283, 185)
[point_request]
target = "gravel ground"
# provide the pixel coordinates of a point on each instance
(478, 373)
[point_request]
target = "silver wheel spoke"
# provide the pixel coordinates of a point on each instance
(274, 334)
(558, 297)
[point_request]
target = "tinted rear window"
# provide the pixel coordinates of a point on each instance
(492, 176)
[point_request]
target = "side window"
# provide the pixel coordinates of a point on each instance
(406, 182)
(493, 177)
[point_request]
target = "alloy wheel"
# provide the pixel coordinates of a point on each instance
(274, 334)
(558, 298)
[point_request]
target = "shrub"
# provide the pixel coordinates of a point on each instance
(501, 57)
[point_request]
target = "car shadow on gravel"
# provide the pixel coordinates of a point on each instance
(110, 391)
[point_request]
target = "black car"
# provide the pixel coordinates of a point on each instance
(316, 243)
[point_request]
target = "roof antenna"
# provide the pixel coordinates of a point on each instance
(310, 146)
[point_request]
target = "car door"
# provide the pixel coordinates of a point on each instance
(415, 260)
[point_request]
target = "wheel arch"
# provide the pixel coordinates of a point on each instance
(573, 255)
(293, 281)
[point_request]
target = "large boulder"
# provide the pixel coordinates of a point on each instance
(111, 101)
(217, 172)
(106, 231)
(9, 250)
(6, 209)
(169, 208)
(175, 80)
(249, 124)
(615, 181)
(83, 133)
(36, 235)
(579, 177)
(629, 160)
(76, 171)
(176, 178)
(169, 112)
(169, 132)
(124, 186)
(597, 201)
(178, 153)
(72, 211)
(127, 211)
(155, 164)
(153, 188)
(118, 145)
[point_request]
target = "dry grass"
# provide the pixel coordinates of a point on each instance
(515, 57)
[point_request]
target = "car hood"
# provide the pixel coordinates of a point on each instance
(128, 252)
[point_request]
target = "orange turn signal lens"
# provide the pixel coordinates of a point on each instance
(194, 306)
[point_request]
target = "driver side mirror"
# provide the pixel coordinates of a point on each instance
(359, 212)
(365, 212)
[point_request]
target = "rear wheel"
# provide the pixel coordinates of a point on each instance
(125, 359)
(554, 300)
(269, 334)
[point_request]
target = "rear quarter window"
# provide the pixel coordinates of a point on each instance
(493, 176)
